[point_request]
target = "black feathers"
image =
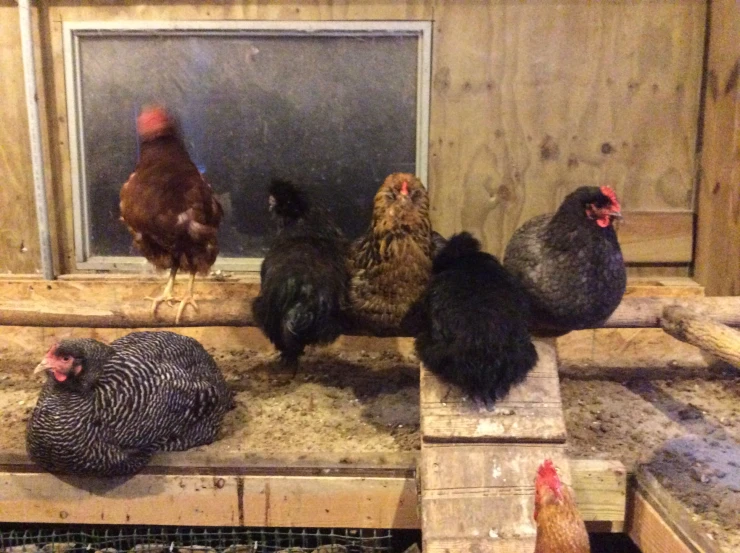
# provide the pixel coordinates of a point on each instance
(570, 263)
(146, 392)
(304, 276)
(472, 318)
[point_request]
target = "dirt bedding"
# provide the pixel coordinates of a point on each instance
(686, 431)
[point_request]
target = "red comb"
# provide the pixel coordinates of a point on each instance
(405, 188)
(152, 120)
(609, 193)
(547, 475)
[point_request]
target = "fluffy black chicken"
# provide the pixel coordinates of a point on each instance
(570, 262)
(105, 409)
(304, 277)
(472, 322)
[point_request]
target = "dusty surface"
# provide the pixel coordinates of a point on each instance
(686, 431)
(338, 402)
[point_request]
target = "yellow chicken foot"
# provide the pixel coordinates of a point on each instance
(189, 299)
(166, 295)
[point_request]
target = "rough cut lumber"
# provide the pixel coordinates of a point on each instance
(600, 489)
(714, 338)
(657, 237)
(717, 225)
(211, 500)
(532, 411)
(657, 522)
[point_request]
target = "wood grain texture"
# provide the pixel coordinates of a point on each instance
(482, 493)
(600, 488)
(534, 99)
(655, 237)
(211, 500)
(532, 411)
(717, 264)
(19, 239)
(522, 109)
(715, 339)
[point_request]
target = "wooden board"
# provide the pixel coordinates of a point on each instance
(600, 489)
(571, 93)
(480, 497)
(532, 411)
(19, 242)
(718, 226)
(213, 500)
(657, 237)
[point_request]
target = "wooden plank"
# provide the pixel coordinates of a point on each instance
(657, 237)
(600, 489)
(558, 116)
(718, 226)
(217, 500)
(174, 477)
(674, 525)
(19, 242)
(482, 493)
(531, 412)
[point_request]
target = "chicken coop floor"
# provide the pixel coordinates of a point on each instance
(686, 431)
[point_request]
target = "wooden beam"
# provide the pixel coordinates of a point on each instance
(120, 304)
(179, 488)
(600, 488)
(714, 338)
(213, 500)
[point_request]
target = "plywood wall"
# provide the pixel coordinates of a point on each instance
(529, 100)
(718, 228)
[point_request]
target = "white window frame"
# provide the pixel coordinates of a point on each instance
(72, 31)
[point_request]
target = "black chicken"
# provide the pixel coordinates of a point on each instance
(105, 409)
(570, 262)
(304, 277)
(472, 322)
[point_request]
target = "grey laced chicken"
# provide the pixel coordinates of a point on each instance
(105, 409)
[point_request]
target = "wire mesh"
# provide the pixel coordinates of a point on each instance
(154, 539)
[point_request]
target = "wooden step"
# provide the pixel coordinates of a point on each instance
(477, 467)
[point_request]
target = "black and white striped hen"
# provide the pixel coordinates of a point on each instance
(105, 409)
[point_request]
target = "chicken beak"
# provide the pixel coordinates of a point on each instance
(41, 367)
(616, 215)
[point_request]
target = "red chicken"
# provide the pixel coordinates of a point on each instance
(560, 528)
(169, 208)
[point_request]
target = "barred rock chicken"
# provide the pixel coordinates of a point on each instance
(473, 322)
(570, 262)
(560, 528)
(105, 409)
(390, 265)
(304, 276)
(169, 208)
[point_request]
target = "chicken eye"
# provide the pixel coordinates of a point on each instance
(66, 358)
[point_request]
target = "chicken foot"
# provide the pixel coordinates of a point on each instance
(166, 295)
(188, 299)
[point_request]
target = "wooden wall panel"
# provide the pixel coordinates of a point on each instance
(718, 229)
(531, 100)
(19, 239)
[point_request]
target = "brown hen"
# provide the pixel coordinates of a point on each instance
(560, 528)
(169, 208)
(391, 264)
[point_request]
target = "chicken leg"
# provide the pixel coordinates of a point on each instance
(166, 295)
(188, 299)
